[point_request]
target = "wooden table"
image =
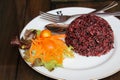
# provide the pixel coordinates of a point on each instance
(14, 15)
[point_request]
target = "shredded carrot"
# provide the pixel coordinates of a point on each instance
(48, 48)
(59, 36)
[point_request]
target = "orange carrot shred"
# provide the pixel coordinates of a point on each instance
(48, 48)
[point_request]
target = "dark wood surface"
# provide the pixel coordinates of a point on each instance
(14, 15)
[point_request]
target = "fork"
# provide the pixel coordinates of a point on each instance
(61, 28)
(63, 18)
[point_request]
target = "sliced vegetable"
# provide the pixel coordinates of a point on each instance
(50, 49)
(45, 33)
(42, 48)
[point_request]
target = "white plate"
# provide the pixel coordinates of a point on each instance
(82, 68)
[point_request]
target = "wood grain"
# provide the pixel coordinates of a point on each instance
(14, 15)
(96, 4)
(33, 8)
(8, 28)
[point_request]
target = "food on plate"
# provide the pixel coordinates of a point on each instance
(45, 49)
(45, 33)
(90, 35)
(25, 41)
(57, 28)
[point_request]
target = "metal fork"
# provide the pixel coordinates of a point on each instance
(61, 28)
(63, 18)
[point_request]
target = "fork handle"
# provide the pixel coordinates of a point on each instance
(102, 14)
(97, 11)
(109, 13)
(111, 5)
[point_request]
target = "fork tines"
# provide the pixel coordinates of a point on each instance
(49, 17)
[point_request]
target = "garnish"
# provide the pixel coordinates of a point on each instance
(48, 50)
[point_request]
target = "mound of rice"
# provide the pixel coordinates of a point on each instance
(90, 35)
